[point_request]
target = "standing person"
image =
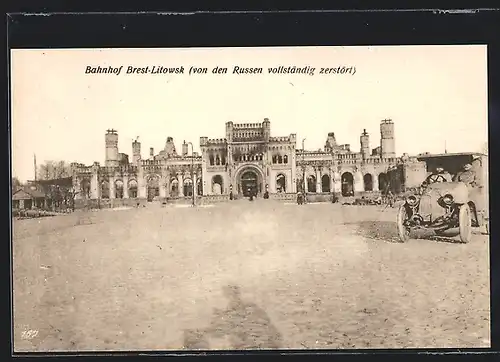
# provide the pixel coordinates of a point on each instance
(390, 198)
(334, 198)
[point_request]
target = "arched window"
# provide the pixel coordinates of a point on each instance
(325, 183)
(153, 189)
(217, 185)
(217, 160)
(285, 159)
(383, 183)
(347, 184)
(119, 189)
(85, 188)
(105, 190)
(188, 187)
(132, 189)
(368, 182)
(223, 160)
(275, 158)
(280, 159)
(280, 183)
(199, 186)
(174, 187)
(311, 183)
(211, 157)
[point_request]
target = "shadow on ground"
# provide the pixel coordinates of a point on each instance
(244, 324)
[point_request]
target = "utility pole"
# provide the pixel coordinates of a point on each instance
(192, 173)
(332, 175)
(303, 170)
(34, 164)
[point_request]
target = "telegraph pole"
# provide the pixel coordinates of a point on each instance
(192, 173)
(34, 164)
(303, 170)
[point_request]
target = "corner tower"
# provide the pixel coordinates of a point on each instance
(136, 152)
(364, 140)
(266, 129)
(111, 139)
(185, 149)
(331, 142)
(387, 141)
(229, 131)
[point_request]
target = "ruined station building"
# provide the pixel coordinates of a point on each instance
(248, 160)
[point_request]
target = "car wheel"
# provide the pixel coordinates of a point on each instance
(403, 231)
(465, 223)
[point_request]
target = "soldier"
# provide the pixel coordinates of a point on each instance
(390, 198)
(300, 199)
(467, 176)
(439, 175)
(444, 173)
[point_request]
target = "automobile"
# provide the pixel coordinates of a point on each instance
(447, 208)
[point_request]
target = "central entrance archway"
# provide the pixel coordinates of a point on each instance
(249, 178)
(249, 183)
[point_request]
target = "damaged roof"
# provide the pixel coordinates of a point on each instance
(27, 193)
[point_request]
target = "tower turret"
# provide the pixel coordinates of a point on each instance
(229, 131)
(170, 148)
(387, 141)
(266, 126)
(331, 142)
(111, 140)
(136, 152)
(364, 140)
(184, 149)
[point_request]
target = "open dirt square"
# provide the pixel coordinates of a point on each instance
(241, 275)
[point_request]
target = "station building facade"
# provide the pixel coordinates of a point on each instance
(249, 159)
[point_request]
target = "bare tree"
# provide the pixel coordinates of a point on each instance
(53, 170)
(16, 184)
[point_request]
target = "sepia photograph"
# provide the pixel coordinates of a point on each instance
(265, 198)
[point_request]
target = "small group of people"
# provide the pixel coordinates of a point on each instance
(252, 193)
(302, 199)
(467, 176)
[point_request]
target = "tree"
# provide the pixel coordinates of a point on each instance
(53, 170)
(16, 184)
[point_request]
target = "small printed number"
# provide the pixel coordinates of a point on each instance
(29, 334)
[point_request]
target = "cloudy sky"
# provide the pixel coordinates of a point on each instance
(434, 94)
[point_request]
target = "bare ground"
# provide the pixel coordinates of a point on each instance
(310, 276)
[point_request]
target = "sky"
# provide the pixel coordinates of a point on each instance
(436, 96)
